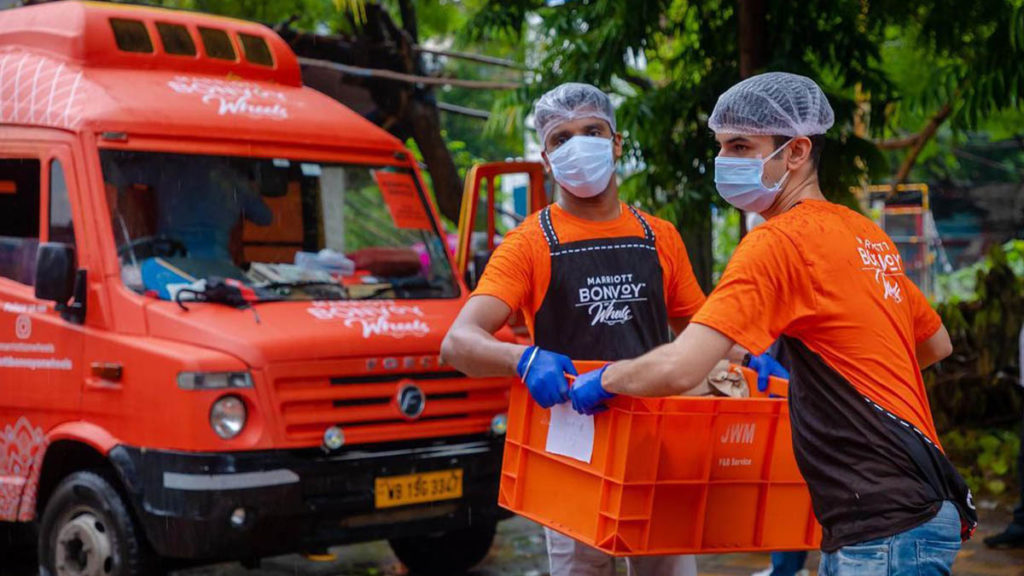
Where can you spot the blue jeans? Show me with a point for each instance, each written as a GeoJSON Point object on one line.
{"type": "Point", "coordinates": [927, 550]}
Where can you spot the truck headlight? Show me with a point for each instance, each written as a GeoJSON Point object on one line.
{"type": "Point", "coordinates": [227, 416]}
{"type": "Point", "coordinates": [499, 424]}
{"type": "Point", "coordinates": [213, 380]}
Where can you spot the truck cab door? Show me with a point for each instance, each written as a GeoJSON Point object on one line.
{"type": "Point", "coordinates": [40, 351]}
{"type": "Point", "coordinates": [482, 224]}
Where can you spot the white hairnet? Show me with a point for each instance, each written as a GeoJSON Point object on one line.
{"type": "Point", "coordinates": [568, 102]}
{"type": "Point", "coordinates": [776, 103]}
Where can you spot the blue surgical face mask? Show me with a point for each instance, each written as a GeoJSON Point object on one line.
{"type": "Point", "coordinates": [740, 181]}
{"type": "Point", "coordinates": [584, 165]}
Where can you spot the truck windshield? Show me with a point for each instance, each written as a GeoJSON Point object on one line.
{"type": "Point", "coordinates": [288, 229]}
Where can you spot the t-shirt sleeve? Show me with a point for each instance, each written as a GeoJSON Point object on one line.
{"type": "Point", "coordinates": [765, 289]}
{"type": "Point", "coordinates": [508, 275]}
{"type": "Point", "coordinates": [683, 294]}
{"type": "Point", "coordinates": [926, 320]}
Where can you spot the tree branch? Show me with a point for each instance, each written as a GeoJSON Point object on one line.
{"type": "Point", "coordinates": [898, 143]}
{"type": "Point", "coordinates": [922, 139]}
{"type": "Point", "coordinates": [471, 57]}
{"type": "Point", "coordinates": [463, 110]}
{"type": "Point", "coordinates": [638, 81]}
{"type": "Point", "coordinates": [391, 75]}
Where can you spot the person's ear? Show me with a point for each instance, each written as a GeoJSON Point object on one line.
{"type": "Point", "coordinates": [799, 153]}
{"type": "Point", "coordinates": [617, 146]}
{"type": "Point", "coordinates": [547, 163]}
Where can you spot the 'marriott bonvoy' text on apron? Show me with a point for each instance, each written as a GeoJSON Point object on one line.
{"type": "Point", "coordinates": [606, 297]}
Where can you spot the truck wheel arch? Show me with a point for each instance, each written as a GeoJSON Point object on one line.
{"type": "Point", "coordinates": [70, 447]}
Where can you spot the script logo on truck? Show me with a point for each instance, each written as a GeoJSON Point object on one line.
{"type": "Point", "coordinates": [375, 319]}
{"type": "Point", "coordinates": [235, 97]}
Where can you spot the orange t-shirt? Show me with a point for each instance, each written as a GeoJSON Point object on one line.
{"type": "Point", "coordinates": [831, 278]}
{"type": "Point", "coordinates": [519, 271]}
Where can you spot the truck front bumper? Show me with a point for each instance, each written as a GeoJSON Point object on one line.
{"type": "Point", "coordinates": [295, 501]}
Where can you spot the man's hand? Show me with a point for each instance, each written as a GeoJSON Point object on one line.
{"type": "Point", "coordinates": [766, 367]}
{"type": "Point", "coordinates": [588, 395]}
{"type": "Point", "coordinates": [544, 373]}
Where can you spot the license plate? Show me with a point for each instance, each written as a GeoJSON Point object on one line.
{"type": "Point", "coordinates": [392, 491]}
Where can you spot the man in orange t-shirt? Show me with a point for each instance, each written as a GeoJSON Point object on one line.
{"type": "Point", "coordinates": [830, 285]}
{"type": "Point", "coordinates": [595, 279]}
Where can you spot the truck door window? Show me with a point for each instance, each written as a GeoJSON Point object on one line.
{"type": "Point", "coordinates": [62, 229]}
{"type": "Point", "coordinates": [19, 218]}
{"type": "Point", "coordinates": [303, 230]}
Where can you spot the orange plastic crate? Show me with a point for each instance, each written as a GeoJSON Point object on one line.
{"type": "Point", "coordinates": [668, 476]}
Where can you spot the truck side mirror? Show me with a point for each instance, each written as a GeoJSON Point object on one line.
{"type": "Point", "coordinates": [58, 280]}
{"type": "Point", "coordinates": [55, 272]}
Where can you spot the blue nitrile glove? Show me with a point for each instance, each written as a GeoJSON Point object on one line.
{"type": "Point", "coordinates": [588, 395]}
{"type": "Point", "coordinates": [543, 373]}
{"type": "Point", "coordinates": [766, 367]}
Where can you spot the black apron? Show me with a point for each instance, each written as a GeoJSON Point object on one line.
{"type": "Point", "coordinates": [606, 300]}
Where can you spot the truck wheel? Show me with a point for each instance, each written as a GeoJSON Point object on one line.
{"type": "Point", "coordinates": [444, 554]}
{"type": "Point", "coordinates": [86, 530]}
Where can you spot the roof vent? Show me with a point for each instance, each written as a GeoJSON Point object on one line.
{"type": "Point", "coordinates": [131, 35]}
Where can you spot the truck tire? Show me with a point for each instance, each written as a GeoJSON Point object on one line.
{"type": "Point", "coordinates": [445, 554]}
{"type": "Point", "coordinates": [87, 530]}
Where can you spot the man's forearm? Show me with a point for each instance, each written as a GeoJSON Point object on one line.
{"type": "Point", "coordinates": [477, 353]}
{"type": "Point", "coordinates": [736, 354]}
{"type": "Point", "coordinates": [648, 375]}
{"type": "Point", "coordinates": [670, 369]}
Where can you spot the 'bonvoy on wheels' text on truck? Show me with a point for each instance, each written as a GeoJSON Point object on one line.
{"type": "Point", "coordinates": [221, 300]}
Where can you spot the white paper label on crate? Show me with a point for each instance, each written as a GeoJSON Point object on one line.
{"type": "Point", "coordinates": [570, 434]}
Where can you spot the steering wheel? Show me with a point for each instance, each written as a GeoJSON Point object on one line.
{"type": "Point", "coordinates": [157, 246]}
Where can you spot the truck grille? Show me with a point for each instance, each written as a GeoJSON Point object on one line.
{"type": "Point", "coordinates": [366, 407]}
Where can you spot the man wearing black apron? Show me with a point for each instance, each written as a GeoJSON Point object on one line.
{"type": "Point", "coordinates": [595, 280]}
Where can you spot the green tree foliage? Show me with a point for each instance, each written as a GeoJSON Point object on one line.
{"type": "Point", "coordinates": [667, 61]}
{"type": "Point", "coordinates": [888, 67]}
{"type": "Point", "coordinates": [309, 13]}
{"type": "Point", "coordinates": [955, 69]}
{"type": "Point", "coordinates": [977, 385]}
{"type": "Point", "coordinates": [973, 394]}
{"type": "Point", "coordinates": [966, 55]}
{"type": "Point", "coordinates": [987, 459]}
{"type": "Point", "coordinates": [891, 68]}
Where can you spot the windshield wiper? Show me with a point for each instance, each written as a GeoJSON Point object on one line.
{"type": "Point", "coordinates": [417, 283]}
